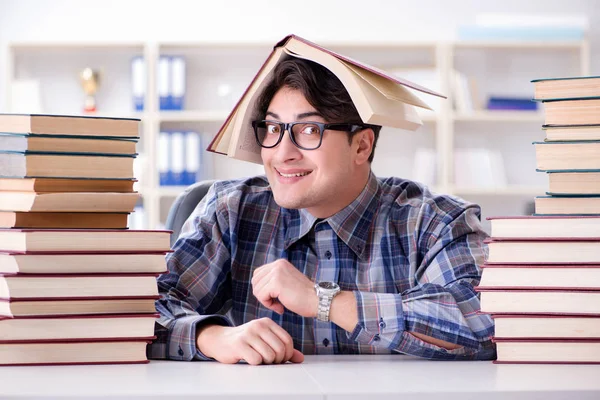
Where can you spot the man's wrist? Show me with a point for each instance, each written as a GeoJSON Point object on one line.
{"type": "Point", "coordinates": [204, 338]}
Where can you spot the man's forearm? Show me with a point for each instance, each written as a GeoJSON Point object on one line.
{"type": "Point", "coordinates": [344, 313]}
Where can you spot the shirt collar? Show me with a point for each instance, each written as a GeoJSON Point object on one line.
{"type": "Point", "coordinates": [352, 224]}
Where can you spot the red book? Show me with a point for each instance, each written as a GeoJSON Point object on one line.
{"type": "Point", "coordinates": [77, 327]}
{"type": "Point", "coordinates": [540, 276]}
{"type": "Point", "coordinates": [557, 250]}
{"type": "Point", "coordinates": [555, 301]}
{"type": "Point", "coordinates": [543, 327]}
{"type": "Point", "coordinates": [550, 351]}
{"type": "Point", "coordinates": [545, 226]}
{"type": "Point", "coordinates": [130, 351]}
{"type": "Point", "coordinates": [65, 306]}
{"type": "Point", "coordinates": [82, 263]}
{"type": "Point", "coordinates": [84, 240]}
{"type": "Point", "coordinates": [47, 287]}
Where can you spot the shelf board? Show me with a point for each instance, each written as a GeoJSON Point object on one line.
{"type": "Point", "coordinates": [193, 116]}
{"type": "Point", "coordinates": [518, 44]}
{"type": "Point", "coordinates": [500, 116]}
{"type": "Point", "coordinates": [75, 46]}
{"type": "Point", "coordinates": [510, 190]}
{"type": "Point", "coordinates": [170, 191]}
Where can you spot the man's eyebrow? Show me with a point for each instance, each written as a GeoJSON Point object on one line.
{"type": "Point", "coordinates": [309, 114]}
{"type": "Point", "coordinates": [299, 116]}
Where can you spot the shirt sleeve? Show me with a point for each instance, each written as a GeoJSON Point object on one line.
{"type": "Point", "coordinates": [197, 284]}
{"type": "Point", "coordinates": [442, 303]}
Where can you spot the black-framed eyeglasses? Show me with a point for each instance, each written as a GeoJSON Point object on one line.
{"type": "Point", "coordinates": [306, 135]}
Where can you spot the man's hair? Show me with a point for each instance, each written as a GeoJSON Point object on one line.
{"type": "Point", "coordinates": [321, 88]}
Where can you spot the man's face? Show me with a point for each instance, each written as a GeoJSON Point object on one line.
{"type": "Point", "coordinates": [322, 180]}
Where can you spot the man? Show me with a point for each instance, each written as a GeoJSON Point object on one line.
{"type": "Point", "coordinates": [322, 257]}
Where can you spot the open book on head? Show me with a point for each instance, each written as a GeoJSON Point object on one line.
{"type": "Point", "coordinates": [379, 97]}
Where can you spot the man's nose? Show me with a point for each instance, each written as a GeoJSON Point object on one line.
{"type": "Point", "coordinates": [286, 149]}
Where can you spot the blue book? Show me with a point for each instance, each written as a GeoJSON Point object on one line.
{"type": "Point", "coordinates": [164, 87]}
{"type": "Point", "coordinates": [193, 159]}
{"type": "Point", "coordinates": [177, 83]}
{"type": "Point", "coordinates": [163, 150]}
{"type": "Point", "coordinates": [138, 82]}
{"type": "Point", "coordinates": [511, 103]}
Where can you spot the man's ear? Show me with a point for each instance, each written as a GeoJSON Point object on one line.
{"type": "Point", "coordinates": [364, 140]}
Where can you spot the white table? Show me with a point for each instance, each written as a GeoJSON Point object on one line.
{"type": "Point", "coordinates": [319, 377]}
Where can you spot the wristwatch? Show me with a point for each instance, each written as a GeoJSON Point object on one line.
{"type": "Point", "coordinates": [326, 291]}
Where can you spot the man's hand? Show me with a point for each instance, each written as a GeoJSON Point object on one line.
{"type": "Point", "coordinates": [279, 284]}
{"type": "Point", "coordinates": [260, 341]}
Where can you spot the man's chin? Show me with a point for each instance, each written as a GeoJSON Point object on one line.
{"type": "Point", "coordinates": [290, 202]}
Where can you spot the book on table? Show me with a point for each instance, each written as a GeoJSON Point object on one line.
{"type": "Point", "coordinates": [540, 276]}
{"type": "Point", "coordinates": [554, 250]}
{"type": "Point", "coordinates": [64, 306]}
{"type": "Point", "coordinates": [70, 125]}
{"type": "Point", "coordinates": [65, 165]}
{"type": "Point", "coordinates": [571, 132]}
{"type": "Point", "coordinates": [69, 201]}
{"type": "Point", "coordinates": [84, 240]}
{"type": "Point", "coordinates": [569, 182]}
{"type": "Point", "coordinates": [380, 98]}
{"type": "Point", "coordinates": [108, 326]}
{"type": "Point", "coordinates": [539, 301]}
{"type": "Point", "coordinates": [61, 144]}
{"type": "Point", "coordinates": [566, 88]}
{"type": "Point", "coordinates": [572, 205]}
{"type": "Point", "coordinates": [56, 352]}
{"type": "Point", "coordinates": [521, 326]}
{"type": "Point", "coordinates": [545, 226]}
{"type": "Point", "coordinates": [82, 263]}
{"type": "Point", "coordinates": [547, 351]}
{"type": "Point", "coordinates": [574, 155]}
{"type": "Point", "coordinates": [59, 185]}
{"type": "Point", "coordinates": [572, 112]}
{"type": "Point", "coordinates": [63, 220]}
{"type": "Point", "coordinates": [50, 286]}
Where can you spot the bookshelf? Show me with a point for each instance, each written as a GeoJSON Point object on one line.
{"type": "Point", "coordinates": [217, 74]}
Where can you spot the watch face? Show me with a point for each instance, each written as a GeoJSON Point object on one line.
{"type": "Point", "coordinates": [328, 285]}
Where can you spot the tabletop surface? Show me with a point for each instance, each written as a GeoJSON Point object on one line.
{"type": "Point", "coordinates": [319, 377]}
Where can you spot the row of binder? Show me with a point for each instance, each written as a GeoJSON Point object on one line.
{"type": "Point", "coordinates": [179, 158]}
{"type": "Point", "coordinates": [170, 83]}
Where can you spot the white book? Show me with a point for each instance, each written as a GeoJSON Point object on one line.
{"type": "Point", "coordinates": [177, 157]}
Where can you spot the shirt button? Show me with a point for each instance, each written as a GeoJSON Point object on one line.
{"type": "Point", "coordinates": [325, 342]}
{"type": "Point", "coordinates": [376, 338]}
{"type": "Point", "coordinates": [381, 323]}
{"type": "Point", "coordinates": [328, 254]}
{"type": "Point", "coordinates": [180, 351]}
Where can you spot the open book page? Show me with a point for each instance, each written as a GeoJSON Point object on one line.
{"type": "Point", "coordinates": [243, 145]}
{"type": "Point", "coordinates": [389, 89]}
{"type": "Point", "coordinates": [372, 106]}
{"type": "Point", "coordinates": [220, 144]}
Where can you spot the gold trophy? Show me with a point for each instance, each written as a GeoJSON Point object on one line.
{"type": "Point", "coordinates": [90, 79]}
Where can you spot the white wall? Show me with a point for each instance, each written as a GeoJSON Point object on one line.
{"type": "Point", "coordinates": [260, 20]}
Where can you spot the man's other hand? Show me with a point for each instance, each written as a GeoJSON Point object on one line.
{"type": "Point", "coordinates": [279, 284]}
{"type": "Point", "coordinates": [260, 341]}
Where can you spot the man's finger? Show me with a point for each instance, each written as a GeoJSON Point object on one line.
{"type": "Point", "coordinates": [297, 357]}
{"type": "Point", "coordinates": [251, 356]}
{"type": "Point", "coordinates": [267, 354]}
{"type": "Point", "coordinates": [285, 338]}
{"type": "Point", "coordinates": [275, 343]}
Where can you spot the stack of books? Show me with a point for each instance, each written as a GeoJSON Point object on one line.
{"type": "Point", "coordinates": [541, 280]}
{"type": "Point", "coordinates": [76, 286]}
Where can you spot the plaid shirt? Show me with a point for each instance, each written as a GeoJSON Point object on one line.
{"type": "Point", "coordinates": [411, 258]}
